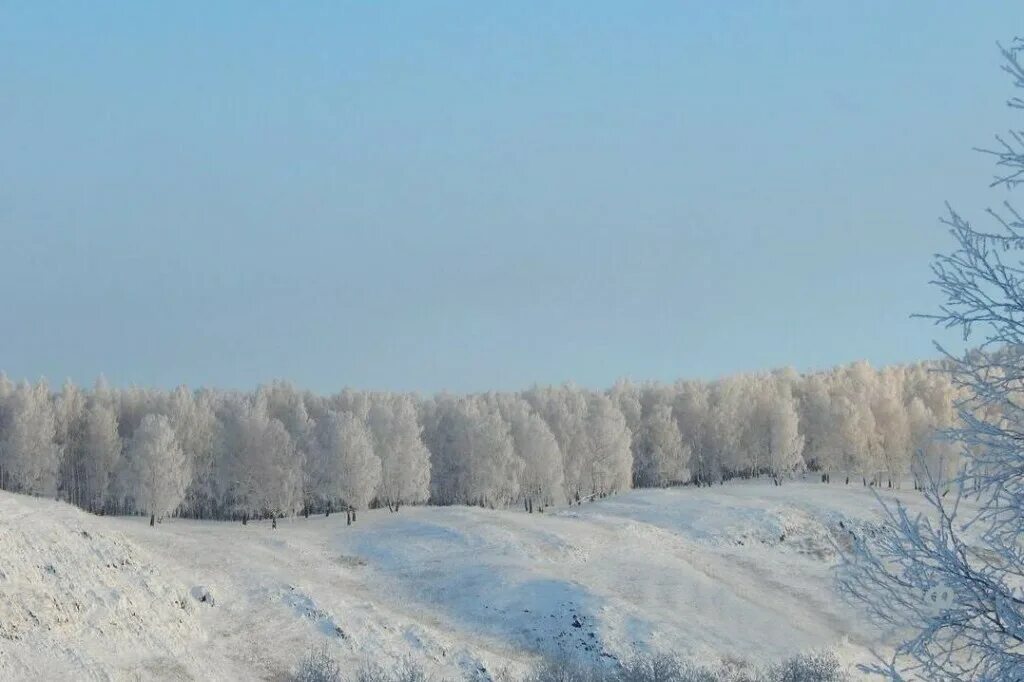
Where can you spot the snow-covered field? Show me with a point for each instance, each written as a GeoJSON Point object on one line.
{"type": "Point", "coordinates": [740, 570]}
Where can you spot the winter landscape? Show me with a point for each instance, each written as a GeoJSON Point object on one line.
{"type": "Point", "coordinates": [738, 571]}
{"type": "Point", "coordinates": [571, 324]}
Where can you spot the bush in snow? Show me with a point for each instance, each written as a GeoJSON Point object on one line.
{"type": "Point", "coordinates": [569, 670]}
{"type": "Point", "coordinates": [403, 672]}
{"type": "Point", "coordinates": [810, 667]}
{"type": "Point", "coordinates": [318, 666]}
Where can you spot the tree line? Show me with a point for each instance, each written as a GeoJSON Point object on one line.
{"type": "Point", "coordinates": [279, 450]}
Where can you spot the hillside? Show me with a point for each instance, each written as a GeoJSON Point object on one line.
{"type": "Point", "coordinates": [738, 570]}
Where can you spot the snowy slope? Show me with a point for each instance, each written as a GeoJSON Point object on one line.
{"type": "Point", "coordinates": [78, 599]}
{"type": "Point", "coordinates": [736, 570]}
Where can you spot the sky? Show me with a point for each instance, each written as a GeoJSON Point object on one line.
{"type": "Point", "coordinates": [469, 196]}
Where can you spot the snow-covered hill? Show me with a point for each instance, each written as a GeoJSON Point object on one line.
{"type": "Point", "coordinates": [79, 600]}
{"type": "Point", "coordinates": [738, 570]}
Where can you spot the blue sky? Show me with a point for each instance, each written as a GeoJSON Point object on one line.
{"type": "Point", "coordinates": [465, 195]}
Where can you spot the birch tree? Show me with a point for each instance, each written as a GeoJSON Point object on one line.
{"type": "Point", "coordinates": [158, 468]}
{"type": "Point", "coordinates": [953, 578]}
{"type": "Point", "coordinates": [404, 458]}
{"type": "Point", "coordinates": [263, 472]}
{"type": "Point", "coordinates": [97, 452]}
{"type": "Point", "coordinates": [540, 477]}
{"type": "Point", "coordinates": [660, 456]}
{"type": "Point", "coordinates": [564, 410]}
{"type": "Point", "coordinates": [28, 452]}
{"type": "Point", "coordinates": [608, 461]}
{"type": "Point", "coordinates": [345, 467]}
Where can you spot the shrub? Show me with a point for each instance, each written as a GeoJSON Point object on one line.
{"type": "Point", "coordinates": [407, 671]}
{"type": "Point", "coordinates": [811, 667]}
{"type": "Point", "coordinates": [318, 666]}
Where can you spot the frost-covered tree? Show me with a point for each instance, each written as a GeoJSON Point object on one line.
{"type": "Point", "coordinates": [398, 442]}
{"type": "Point", "coordinates": [324, 472]}
{"type": "Point", "coordinates": [785, 443]}
{"type": "Point", "coordinates": [931, 411]}
{"type": "Point", "coordinates": [564, 410]}
{"type": "Point", "coordinates": [660, 457]}
{"type": "Point", "coordinates": [287, 404]}
{"type": "Point", "coordinates": [855, 438]}
{"type": "Point", "coordinates": [494, 469]}
{"type": "Point", "coordinates": [815, 410]}
{"type": "Point", "coordinates": [936, 458]}
{"type": "Point", "coordinates": [354, 402]}
{"type": "Point", "coordinates": [68, 411]}
{"type": "Point", "coordinates": [608, 463]}
{"type": "Point", "coordinates": [540, 471]}
{"type": "Point", "coordinates": [262, 473]}
{"type": "Point", "coordinates": [158, 468]}
{"type": "Point", "coordinates": [437, 416]}
{"type": "Point", "coordinates": [28, 451]}
{"type": "Point", "coordinates": [344, 466]}
{"type": "Point", "coordinates": [592, 437]}
{"type": "Point", "coordinates": [954, 579]}
{"type": "Point", "coordinates": [852, 419]}
{"type": "Point", "coordinates": [724, 427]}
{"type": "Point", "coordinates": [627, 397]}
{"type": "Point", "coordinates": [198, 433]}
{"type": "Point", "coordinates": [692, 411]}
{"type": "Point", "coordinates": [540, 479]}
{"type": "Point", "coordinates": [96, 454]}
{"type": "Point", "coordinates": [473, 458]}
{"type": "Point", "coordinates": [892, 423]}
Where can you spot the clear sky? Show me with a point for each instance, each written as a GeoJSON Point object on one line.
{"type": "Point", "coordinates": [475, 195]}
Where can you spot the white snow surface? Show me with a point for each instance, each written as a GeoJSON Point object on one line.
{"type": "Point", "coordinates": [740, 570]}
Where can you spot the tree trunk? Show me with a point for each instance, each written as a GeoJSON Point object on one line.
{"type": "Point", "coordinates": [348, 517]}
{"type": "Point", "coordinates": [152, 519]}
{"type": "Point", "coordinates": [273, 521]}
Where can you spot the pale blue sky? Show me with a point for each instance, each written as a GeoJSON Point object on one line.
{"type": "Point", "coordinates": [467, 195]}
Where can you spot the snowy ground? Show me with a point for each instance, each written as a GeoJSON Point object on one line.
{"type": "Point", "coordinates": [737, 570]}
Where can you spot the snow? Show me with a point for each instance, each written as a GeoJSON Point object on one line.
{"type": "Point", "coordinates": [203, 595]}
{"type": "Point", "coordinates": [78, 599]}
{"type": "Point", "coordinates": [741, 570]}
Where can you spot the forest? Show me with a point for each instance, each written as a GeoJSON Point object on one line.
{"type": "Point", "coordinates": [279, 451]}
